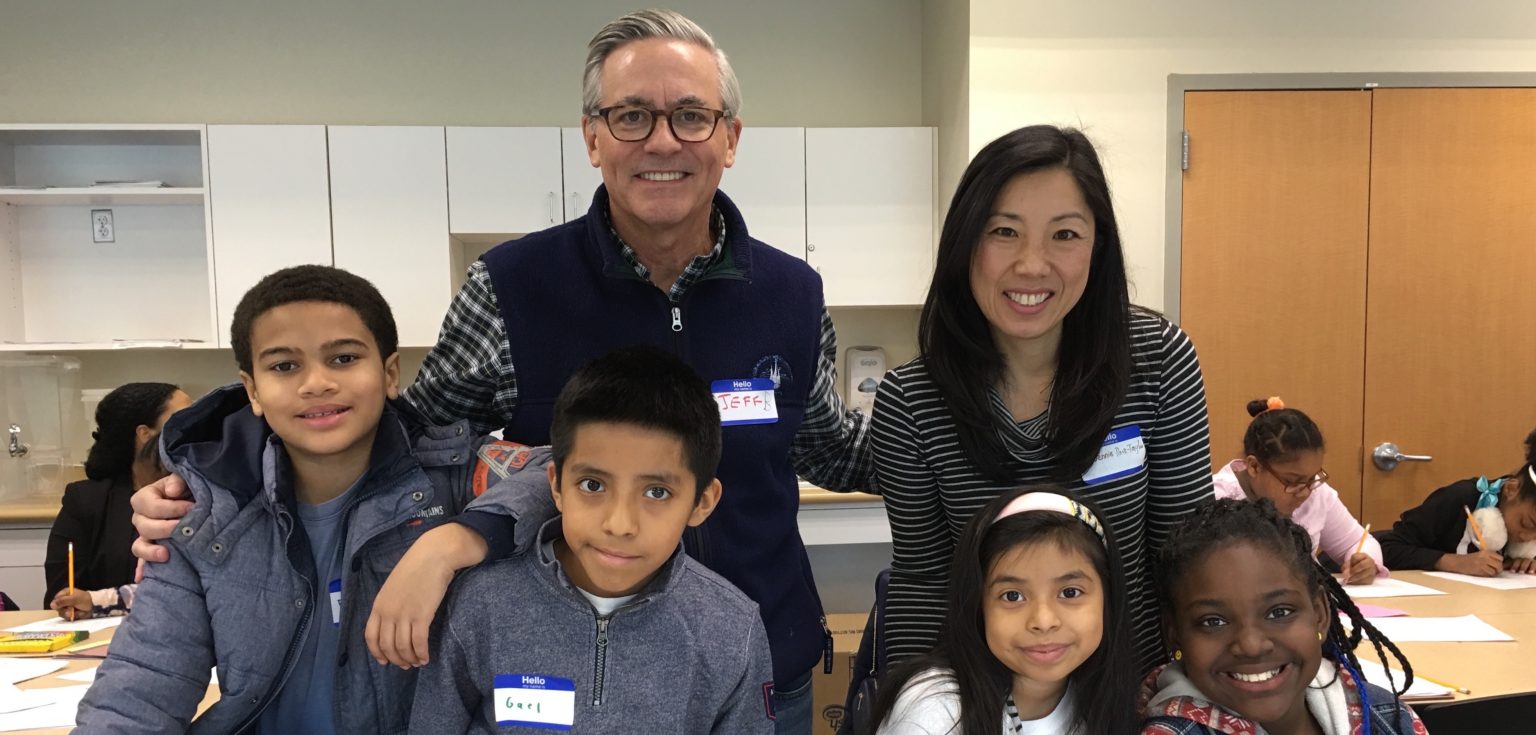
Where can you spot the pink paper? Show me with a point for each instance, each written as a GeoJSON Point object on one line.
{"type": "Point", "coordinates": [1377, 611]}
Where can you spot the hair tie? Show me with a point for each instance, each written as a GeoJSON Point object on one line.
{"type": "Point", "coordinates": [95, 436]}
{"type": "Point", "coordinates": [1530, 469]}
{"type": "Point", "coordinates": [1488, 492]}
{"type": "Point", "coordinates": [1055, 503]}
{"type": "Point", "coordinates": [1274, 404]}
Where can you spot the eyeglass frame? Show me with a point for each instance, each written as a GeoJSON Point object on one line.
{"type": "Point", "coordinates": [656, 114]}
{"type": "Point", "coordinates": [1312, 483]}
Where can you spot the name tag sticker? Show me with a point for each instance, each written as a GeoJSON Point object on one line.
{"type": "Point", "coordinates": [535, 700]}
{"type": "Point", "coordinates": [335, 588]}
{"type": "Point", "coordinates": [1123, 454]}
{"type": "Point", "coordinates": [745, 401]}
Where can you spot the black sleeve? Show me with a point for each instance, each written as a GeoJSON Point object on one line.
{"type": "Point", "coordinates": [71, 524]}
{"type": "Point", "coordinates": [1429, 531]}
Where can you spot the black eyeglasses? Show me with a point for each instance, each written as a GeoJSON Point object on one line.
{"type": "Point", "coordinates": [632, 123]}
{"type": "Point", "coordinates": [1297, 487]}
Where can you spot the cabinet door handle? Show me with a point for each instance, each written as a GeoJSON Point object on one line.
{"type": "Point", "coordinates": [553, 204]}
{"type": "Point", "coordinates": [575, 210]}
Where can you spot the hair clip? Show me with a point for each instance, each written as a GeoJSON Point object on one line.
{"type": "Point", "coordinates": [1274, 404]}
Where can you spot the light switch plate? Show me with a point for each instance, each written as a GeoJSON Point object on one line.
{"type": "Point", "coordinates": [102, 229]}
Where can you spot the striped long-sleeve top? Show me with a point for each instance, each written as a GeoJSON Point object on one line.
{"type": "Point", "coordinates": [932, 487]}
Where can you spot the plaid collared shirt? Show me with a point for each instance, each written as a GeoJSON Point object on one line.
{"type": "Point", "coordinates": [469, 375]}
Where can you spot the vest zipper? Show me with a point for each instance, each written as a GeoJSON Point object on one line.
{"type": "Point", "coordinates": [602, 662]}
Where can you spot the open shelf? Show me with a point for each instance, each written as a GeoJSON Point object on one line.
{"type": "Point", "coordinates": [100, 196]}
{"type": "Point", "coordinates": [114, 346]}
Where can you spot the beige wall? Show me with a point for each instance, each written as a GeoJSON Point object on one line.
{"type": "Point", "coordinates": [1103, 65]}
{"type": "Point", "coordinates": [946, 92]}
{"type": "Point", "coordinates": [455, 62]}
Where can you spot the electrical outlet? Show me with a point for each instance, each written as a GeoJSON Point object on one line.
{"type": "Point", "coordinates": [102, 229]}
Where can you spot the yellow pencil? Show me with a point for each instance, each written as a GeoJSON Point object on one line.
{"type": "Point", "coordinates": [1363, 536]}
{"type": "Point", "coordinates": [71, 577]}
{"type": "Point", "coordinates": [1481, 544]}
{"type": "Point", "coordinates": [1462, 690]}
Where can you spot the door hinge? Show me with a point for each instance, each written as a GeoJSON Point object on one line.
{"type": "Point", "coordinates": [1184, 152]}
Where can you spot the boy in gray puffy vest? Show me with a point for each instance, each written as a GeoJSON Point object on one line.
{"type": "Point", "coordinates": [606, 626]}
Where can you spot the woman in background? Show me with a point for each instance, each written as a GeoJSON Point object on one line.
{"type": "Point", "coordinates": [96, 515]}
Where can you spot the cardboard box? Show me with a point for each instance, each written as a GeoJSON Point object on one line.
{"type": "Point", "coordinates": [828, 691]}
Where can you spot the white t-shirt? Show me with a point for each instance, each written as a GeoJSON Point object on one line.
{"type": "Point", "coordinates": [930, 705]}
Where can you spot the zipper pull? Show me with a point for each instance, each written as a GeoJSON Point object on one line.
{"type": "Point", "coordinates": [826, 646]}
{"type": "Point", "coordinates": [677, 319]}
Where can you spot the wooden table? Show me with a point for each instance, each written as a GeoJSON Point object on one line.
{"type": "Point", "coordinates": [12, 619]}
{"type": "Point", "coordinates": [1488, 670]}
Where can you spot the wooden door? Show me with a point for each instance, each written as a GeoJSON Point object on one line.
{"type": "Point", "coordinates": [1273, 262]}
{"type": "Point", "coordinates": [1451, 323]}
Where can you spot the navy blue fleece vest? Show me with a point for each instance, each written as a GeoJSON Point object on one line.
{"type": "Point", "coordinates": [567, 296]}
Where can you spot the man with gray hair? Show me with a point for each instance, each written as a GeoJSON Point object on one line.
{"type": "Point", "coordinates": [664, 258]}
{"type": "Point", "coordinates": [661, 258]}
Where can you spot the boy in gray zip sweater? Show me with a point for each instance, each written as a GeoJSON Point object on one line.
{"type": "Point", "coordinates": [607, 626]}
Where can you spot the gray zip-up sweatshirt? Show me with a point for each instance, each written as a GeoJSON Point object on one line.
{"type": "Point", "coordinates": [687, 655]}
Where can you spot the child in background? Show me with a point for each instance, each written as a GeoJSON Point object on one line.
{"type": "Point", "coordinates": [608, 626]}
{"type": "Point", "coordinates": [1036, 637]}
{"type": "Point", "coordinates": [1284, 463]}
{"type": "Point", "coordinates": [95, 515]}
{"type": "Point", "coordinates": [1436, 535]}
{"type": "Point", "coordinates": [1257, 643]}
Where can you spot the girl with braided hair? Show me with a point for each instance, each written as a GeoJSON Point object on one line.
{"type": "Point", "coordinates": [1283, 461]}
{"type": "Point", "coordinates": [1257, 642]}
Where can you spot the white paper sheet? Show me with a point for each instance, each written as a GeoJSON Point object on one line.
{"type": "Point", "coordinates": [1505, 580]}
{"type": "Point", "coordinates": [18, 670]}
{"type": "Point", "coordinates": [93, 625]}
{"type": "Point", "coordinates": [1389, 587]}
{"type": "Point", "coordinates": [59, 710]}
{"type": "Point", "coordinates": [1464, 629]}
{"type": "Point", "coordinates": [85, 675]}
{"type": "Point", "coordinates": [1422, 688]}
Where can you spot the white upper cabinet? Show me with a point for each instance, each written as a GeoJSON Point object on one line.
{"type": "Point", "coordinates": [389, 214]}
{"type": "Point", "coordinates": [767, 183]}
{"type": "Point", "coordinates": [581, 177]}
{"type": "Point", "coordinates": [869, 213]}
{"type": "Point", "coordinates": [271, 188]}
{"type": "Point", "coordinates": [504, 181]}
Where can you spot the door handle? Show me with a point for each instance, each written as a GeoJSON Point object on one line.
{"type": "Point", "coordinates": [17, 449]}
{"type": "Point", "coordinates": [1386, 457]}
{"type": "Point", "coordinates": [554, 206]}
{"type": "Point", "coordinates": [575, 208]}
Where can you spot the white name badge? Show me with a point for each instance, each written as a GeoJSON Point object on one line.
{"type": "Point", "coordinates": [746, 401]}
{"type": "Point", "coordinates": [535, 700]}
{"type": "Point", "coordinates": [1122, 455]}
{"type": "Point", "coordinates": [335, 589]}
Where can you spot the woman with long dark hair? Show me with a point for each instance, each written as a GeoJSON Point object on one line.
{"type": "Point", "coordinates": [1034, 367]}
{"type": "Point", "coordinates": [95, 514]}
{"type": "Point", "coordinates": [1036, 635]}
